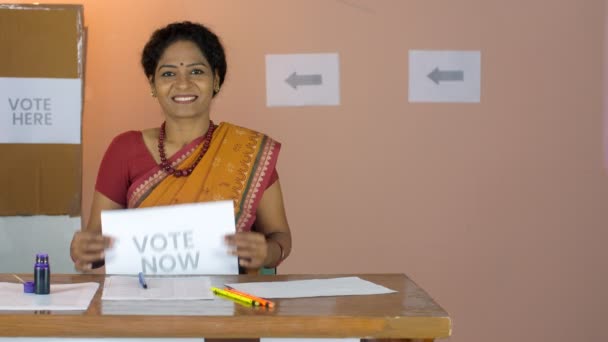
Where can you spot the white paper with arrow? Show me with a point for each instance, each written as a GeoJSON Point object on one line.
{"type": "Point", "coordinates": [302, 80]}
{"type": "Point", "coordinates": [444, 76]}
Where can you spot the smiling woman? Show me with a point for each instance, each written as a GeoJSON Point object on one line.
{"type": "Point", "coordinates": [189, 158]}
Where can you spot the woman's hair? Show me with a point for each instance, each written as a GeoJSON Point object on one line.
{"type": "Point", "coordinates": [207, 42]}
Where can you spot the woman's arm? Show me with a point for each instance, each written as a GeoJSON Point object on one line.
{"type": "Point", "coordinates": [271, 221]}
{"type": "Point", "coordinates": [271, 242]}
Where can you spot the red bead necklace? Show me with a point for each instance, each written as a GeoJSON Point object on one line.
{"type": "Point", "coordinates": [164, 163]}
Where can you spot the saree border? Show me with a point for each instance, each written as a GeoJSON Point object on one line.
{"type": "Point", "coordinates": [257, 181]}
{"type": "Point", "coordinates": [155, 177]}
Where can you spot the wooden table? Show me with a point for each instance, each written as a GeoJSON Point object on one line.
{"type": "Point", "coordinates": [408, 314]}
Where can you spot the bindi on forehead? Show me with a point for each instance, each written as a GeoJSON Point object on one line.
{"type": "Point", "coordinates": [181, 63]}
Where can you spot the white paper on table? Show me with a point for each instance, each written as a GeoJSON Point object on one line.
{"type": "Point", "coordinates": [176, 239]}
{"type": "Point", "coordinates": [346, 286]}
{"type": "Point", "coordinates": [175, 288]}
{"type": "Point", "coordinates": [62, 297]}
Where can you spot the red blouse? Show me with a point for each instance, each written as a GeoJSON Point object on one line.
{"type": "Point", "coordinates": [126, 159]}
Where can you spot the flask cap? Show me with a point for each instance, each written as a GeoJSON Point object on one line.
{"type": "Point", "coordinates": [28, 287]}
{"type": "Point", "coordinates": [42, 258]}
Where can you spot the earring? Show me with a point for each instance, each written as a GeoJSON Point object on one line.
{"type": "Point", "coordinates": [216, 89]}
{"type": "Point", "coordinates": [152, 93]}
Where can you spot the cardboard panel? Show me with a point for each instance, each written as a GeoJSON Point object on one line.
{"type": "Point", "coordinates": [38, 178]}
{"type": "Point", "coordinates": [42, 42]}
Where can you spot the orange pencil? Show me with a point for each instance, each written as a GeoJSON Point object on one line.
{"type": "Point", "coordinates": [262, 301]}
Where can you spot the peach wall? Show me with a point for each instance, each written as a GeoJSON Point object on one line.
{"type": "Point", "coordinates": [497, 209]}
{"type": "Point", "coordinates": [605, 91]}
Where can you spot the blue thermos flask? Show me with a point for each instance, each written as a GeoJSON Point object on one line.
{"type": "Point", "coordinates": [42, 274]}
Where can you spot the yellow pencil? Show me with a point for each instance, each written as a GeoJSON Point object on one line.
{"type": "Point", "coordinates": [233, 296]}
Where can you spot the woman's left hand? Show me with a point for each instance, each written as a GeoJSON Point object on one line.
{"type": "Point", "coordinates": [250, 247]}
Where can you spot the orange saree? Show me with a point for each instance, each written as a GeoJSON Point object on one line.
{"type": "Point", "coordinates": [237, 166]}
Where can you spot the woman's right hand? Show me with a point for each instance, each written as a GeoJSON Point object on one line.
{"type": "Point", "coordinates": [86, 248]}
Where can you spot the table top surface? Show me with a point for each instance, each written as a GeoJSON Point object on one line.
{"type": "Point", "coordinates": [408, 313]}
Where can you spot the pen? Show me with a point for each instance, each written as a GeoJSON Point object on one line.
{"type": "Point", "coordinates": [261, 301]}
{"type": "Point", "coordinates": [142, 280]}
{"type": "Point", "coordinates": [233, 296]}
{"type": "Point", "coordinates": [18, 278]}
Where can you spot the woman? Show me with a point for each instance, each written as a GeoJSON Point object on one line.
{"type": "Point", "coordinates": [190, 158]}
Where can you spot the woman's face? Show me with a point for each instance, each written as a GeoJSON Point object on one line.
{"type": "Point", "coordinates": [183, 81]}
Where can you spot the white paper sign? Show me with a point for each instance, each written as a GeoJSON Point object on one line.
{"type": "Point", "coordinates": [40, 110]}
{"type": "Point", "coordinates": [445, 76]}
{"type": "Point", "coordinates": [178, 239]}
{"type": "Point", "coordinates": [303, 80]}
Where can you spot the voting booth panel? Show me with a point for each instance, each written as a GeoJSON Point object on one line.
{"type": "Point", "coordinates": [41, 73]}
{"type": "Point", "coordinates": [41, 92]}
